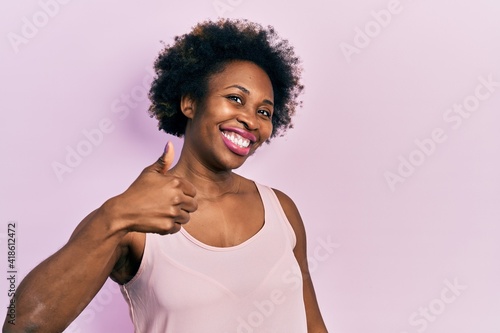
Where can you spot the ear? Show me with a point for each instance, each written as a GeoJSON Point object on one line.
{"type": "Point", "coordinates": [188, 106]}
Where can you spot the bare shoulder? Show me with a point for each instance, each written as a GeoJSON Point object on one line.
{"type": "Point", "coordinates": [286, 202]}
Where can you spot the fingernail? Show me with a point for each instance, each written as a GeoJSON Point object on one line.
{"type": "Point", "coordinates": [166, 148]}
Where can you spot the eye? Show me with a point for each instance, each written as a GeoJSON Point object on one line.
{"type": "Point", "coordinates": [235, 98]}
{"type": "Point", "coordinates": [265, 113]}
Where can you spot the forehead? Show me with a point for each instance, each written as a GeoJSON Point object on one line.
{"type": "Point", "coordinates": [243, 73]}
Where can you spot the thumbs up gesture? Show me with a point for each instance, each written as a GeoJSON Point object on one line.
{"type": "Point", "coordinates": [156, 202]}
{"type": "Point", "coordinates": [163, 164]}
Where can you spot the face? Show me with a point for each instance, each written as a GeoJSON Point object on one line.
{"type": "Point", "coordinates": [235, 117]}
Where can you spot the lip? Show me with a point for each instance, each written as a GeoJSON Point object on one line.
{"type": "Point", "coordinates": [240, 131]}
{"type": "Point", "coordinates": [242, 151]}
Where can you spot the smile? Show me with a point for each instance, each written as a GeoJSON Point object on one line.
{"type": "Point", "coordinates": [236, 139]}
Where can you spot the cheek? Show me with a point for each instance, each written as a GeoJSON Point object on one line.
{"type": "Point", "coordinates": [217, 111]}
{"type": "Point", "coordinates": [267, 130]}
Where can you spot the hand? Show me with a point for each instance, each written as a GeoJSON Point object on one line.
{"type": "Point", "coordinates": [155, 202]}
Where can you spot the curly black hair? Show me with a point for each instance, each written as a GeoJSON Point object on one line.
{"type": "Point", "coordinates": [185, 67]}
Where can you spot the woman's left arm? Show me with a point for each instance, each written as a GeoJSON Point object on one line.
{"type": "Point", "coordinates": [315, 323]}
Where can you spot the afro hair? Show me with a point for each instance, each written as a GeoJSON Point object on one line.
{"type": "Point", "coordinates": [185, 67]}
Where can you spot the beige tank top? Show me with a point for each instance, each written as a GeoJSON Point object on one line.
{"type": "Point", "coordinates": [185, 286]}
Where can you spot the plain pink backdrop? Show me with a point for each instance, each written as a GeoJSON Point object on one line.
{"type": "Point", "coordinates": [379, 75]}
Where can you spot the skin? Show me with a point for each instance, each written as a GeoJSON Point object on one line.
{"type": "Point", "coordinates": [223, 209]}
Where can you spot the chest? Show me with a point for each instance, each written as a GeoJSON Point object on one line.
{"type": "Point", "coordinates": [227, 221]}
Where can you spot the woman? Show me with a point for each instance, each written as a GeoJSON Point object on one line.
{"type": "Point", "coordinates": [240, 264]}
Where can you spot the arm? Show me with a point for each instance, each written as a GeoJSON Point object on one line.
{"type": "Point", "coordinates": [315, 323]}
{"type": "Point", "coordinates": [57, 290]}
{"type": "Point", "coordinates": [53, 294]}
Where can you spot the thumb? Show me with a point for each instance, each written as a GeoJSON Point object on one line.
{"type": "Point", "coordinates": [166, 159]}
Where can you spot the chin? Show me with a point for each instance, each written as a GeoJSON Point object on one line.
{"type": "Point", "coordinates": [233, 163]}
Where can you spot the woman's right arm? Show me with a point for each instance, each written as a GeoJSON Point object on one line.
{"type": "Point", "coordinates": [54, 293]}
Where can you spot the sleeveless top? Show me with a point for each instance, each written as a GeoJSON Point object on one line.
{"type": "Point", "coordinates": [186, 286]}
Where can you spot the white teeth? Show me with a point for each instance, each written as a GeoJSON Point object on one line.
{"type": "Point", "coordinates": [237, 139]}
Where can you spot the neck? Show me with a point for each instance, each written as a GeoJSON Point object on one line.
{"type": "Point", "coordinates": [209, 183]}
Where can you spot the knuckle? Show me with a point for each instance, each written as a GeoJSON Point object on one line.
{"type": "Point", "coordinates": [176, 199]}
{"type": "Point", "coordinates": [173, 211]}
{"type": "Point", "coordinates": [160, 161]}
{"type": "Point", "coordinates": [176, 182]}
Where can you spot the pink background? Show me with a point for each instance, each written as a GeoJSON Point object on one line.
{"type": "Point", "coordinates": [394, 251]}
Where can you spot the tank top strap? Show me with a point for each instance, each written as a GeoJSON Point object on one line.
{"type": "Point", "coordinates": [274, 211]}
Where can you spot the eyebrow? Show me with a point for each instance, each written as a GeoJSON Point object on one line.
{"type": "Point", "coordinates": [247, 92]}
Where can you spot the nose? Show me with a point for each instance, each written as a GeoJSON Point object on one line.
{"type": "Point", "coordinates": [248, 118]}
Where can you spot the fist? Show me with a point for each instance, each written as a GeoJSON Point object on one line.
{"type": "Point", "coordinates": [156, 202]}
